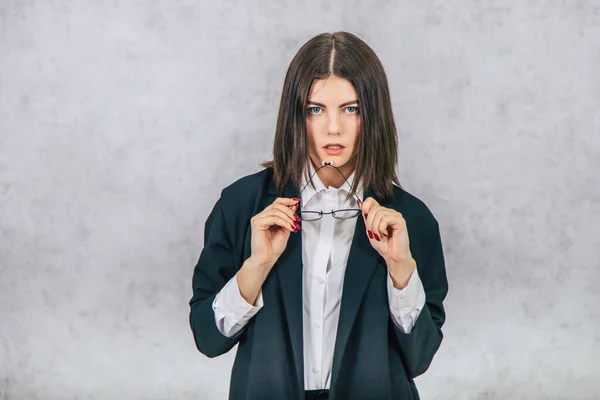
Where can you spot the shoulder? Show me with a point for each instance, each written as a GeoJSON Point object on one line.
{"type": "Point", "coordinates": [414, 210]}
{"type": "Point", "coordinates": [247, 188]}
{"type": "Point", "coordinates": [237, 204]}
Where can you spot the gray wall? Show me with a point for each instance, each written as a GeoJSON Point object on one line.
{"type": "Point", "coordinates": [120, 122]}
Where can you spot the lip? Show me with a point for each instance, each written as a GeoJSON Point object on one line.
{"type": "Point", "coordinates": [333, 152]}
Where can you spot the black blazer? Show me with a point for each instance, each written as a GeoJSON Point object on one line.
{"type": "Point", "coordinates": [372, 358]}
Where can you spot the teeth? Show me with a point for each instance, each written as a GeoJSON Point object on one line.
{"type": "Point", "coordinates": [334, 147]}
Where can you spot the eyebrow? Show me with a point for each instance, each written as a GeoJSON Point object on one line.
{"type": "Point", "coordinates": [341, 105]}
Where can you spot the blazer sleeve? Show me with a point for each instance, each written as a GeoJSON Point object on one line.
{"type": "Point", "coordinates": [214, 269]}
{"type": "Point", "coordinates": [418, 347]}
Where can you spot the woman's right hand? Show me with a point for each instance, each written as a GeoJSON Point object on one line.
{"type": "Point", "coordinates": [271, 230]}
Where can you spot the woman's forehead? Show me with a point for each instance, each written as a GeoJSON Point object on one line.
{"type": "Point", "coordinates": [332, 89]}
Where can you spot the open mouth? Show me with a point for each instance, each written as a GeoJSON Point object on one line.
{"type": "Point", "coordinates": [333, 149]}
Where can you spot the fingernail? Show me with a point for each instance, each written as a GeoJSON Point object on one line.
{"type": "Point", "coordinates": [370, 234]}
{"type": "Point", "coordinates": [296, 217]}
{"type": "Point", "coordinates": [366, 215]}
{"type": "Point", "coordinates": [297, 225]}
{"type": "Point", "coordinates": [358, 202]}
{"type": "Point", "coordinates": [296, 199]}
{"type": "Point", "coordinates": [377, 237]}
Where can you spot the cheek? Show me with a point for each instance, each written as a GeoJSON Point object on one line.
{"type": "Point", "coordinates": [352, 123]}
{"type": "Point", "coordinates": [310, 134]}
{"type": "Point", "coordinates": [316, 126]}
{"type": "Point", "coordinates": [352, 127]}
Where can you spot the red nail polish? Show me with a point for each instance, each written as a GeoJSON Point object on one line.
{"type": "Point", "coordinates": [358, 202]}
{"type": "Point", "coordinates": [296, 199]}
{"type": "Point", "coordinates": [296, 217]}
{"type": "Point", "coordinates": [297, 225]}
{"type": "Point", "coordinates": [377, 237]}
{"type": "Point", "coordinates": [366, 215]}
{"type": "Point", "coordinates": [370, 234]}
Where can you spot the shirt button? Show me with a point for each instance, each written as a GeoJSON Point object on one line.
{"type": "Point", "coordinates": [317, 325]}
{"type": "Point", "coordinates": [320, 280]}
{"type": "Point", "coordinates": [315, 370]}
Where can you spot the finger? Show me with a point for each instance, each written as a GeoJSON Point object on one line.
{"type": "Point", "coordinates": [287, 214]}
{"type": "Point", "coordinates": [365, 214]}
{"type": "Point", "coordinates": [287, 201]}
{"type": "Point", "coordinates": [367, 205]}
{"type": "Point", "coordinates": [267, 221]}
{"type": "Point", "coordinates": [369, 222]}
{"type": "Point", "coordinates": [383, 225]}
{"type": "Point", "coordinates": [391, 220]}
{"type": "Point", "coordinates": [290, 212]}
{"type": "Point", "coordinates": [281, 213]}
{"type": "Point", "coordinates": [285, 204]}
{"type": "Point", "coordinates": [376, 216]}
{"type": "Point", "coordinates": [401, 223]}
{"type": "Point", "coordinates": [370, 206]}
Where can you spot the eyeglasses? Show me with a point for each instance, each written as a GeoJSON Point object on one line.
{"type": "Point", "coordinates": [346, 213]}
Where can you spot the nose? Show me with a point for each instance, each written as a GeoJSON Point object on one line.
{"type": "Point", "coordinates": [333, 127]}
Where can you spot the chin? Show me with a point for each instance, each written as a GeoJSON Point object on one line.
{"type": "Point", "coordinates": [339, 160]}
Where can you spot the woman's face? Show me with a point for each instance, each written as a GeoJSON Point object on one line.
{"type": "Point", "coordinates": [333, 118]}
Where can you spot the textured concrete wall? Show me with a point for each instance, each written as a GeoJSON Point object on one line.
{"type": "Point", "coordinates": [120, 122]}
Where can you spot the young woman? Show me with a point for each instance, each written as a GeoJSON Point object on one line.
{"type": "Point", "coordinates": [307, 265]}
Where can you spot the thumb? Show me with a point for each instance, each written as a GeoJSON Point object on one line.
{"type": "Point", "coordinates": [367, 205]}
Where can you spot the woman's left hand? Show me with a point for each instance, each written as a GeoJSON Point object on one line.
{"type": "Point", "coordinates": [388, 235]}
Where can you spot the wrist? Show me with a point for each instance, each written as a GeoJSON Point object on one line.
{"type": "Point", "coordinates": [407, 262]}
{"type": "Point", "coordinates": [256, 266]}
{"type": "Point", "coordinates": [250, 279]}
{"type": "Point", "coordinates": [401, 271]}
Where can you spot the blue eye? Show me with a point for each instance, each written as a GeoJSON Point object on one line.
{"type": "Point", "coordinates": [318, 110]}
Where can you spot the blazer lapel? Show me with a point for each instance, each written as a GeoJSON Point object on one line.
{"type": "Point", "coordinates": [289, 271]}
{"type": "Point", "coordinates": [362, 262]}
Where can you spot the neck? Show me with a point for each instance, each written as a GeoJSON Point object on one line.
{"type": "Point", "coordinates": [331, 177]}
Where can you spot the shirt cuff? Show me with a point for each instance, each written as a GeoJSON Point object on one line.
{"type": "Point", "coordinates": [232, 312]}
{"type": "Point", "coordinates": [406, 304]}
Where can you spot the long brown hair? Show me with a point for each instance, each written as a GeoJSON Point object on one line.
{"type": "Point", "coordinates": [345, 55]}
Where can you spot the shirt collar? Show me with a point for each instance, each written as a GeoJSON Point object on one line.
{"type": "Point", "coordinates": [309, 192]}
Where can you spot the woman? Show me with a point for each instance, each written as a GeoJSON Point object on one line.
{"type": "Point", "coordinates": [307, 264]}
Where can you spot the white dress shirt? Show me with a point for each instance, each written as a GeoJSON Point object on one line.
{"type": "Point", "coordinates": [326, 245]}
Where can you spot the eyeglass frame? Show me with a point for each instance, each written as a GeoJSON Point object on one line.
{"type": "Point", "coordinates": [332, 212]}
